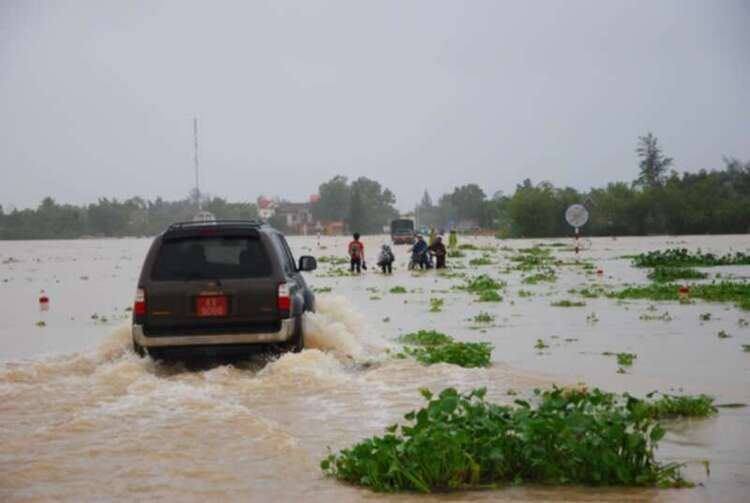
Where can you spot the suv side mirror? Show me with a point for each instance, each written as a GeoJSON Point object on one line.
{"type": "Point", "coordinates": [307, 263]}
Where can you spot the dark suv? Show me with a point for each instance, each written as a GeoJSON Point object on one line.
{"type": "Point", "coordinates": [220, 287]}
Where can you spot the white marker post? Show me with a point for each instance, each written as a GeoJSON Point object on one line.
{"type": "Point", "coordinates": [577, 215]}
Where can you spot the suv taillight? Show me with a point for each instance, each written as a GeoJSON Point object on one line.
{"type": "Point", "coordinates": [284, 300]}
{"type": "Point", "coordinates": [139, 305]}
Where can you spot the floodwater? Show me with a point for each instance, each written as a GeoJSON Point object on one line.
{"type": "Point", "coordinates": [82, 418]}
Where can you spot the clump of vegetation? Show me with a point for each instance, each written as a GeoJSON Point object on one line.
{"type": "Point", "coordinates": [483, 260]}
{"type": "Point", "coordinates": [725, 291]}
{"type": "Point", "coordinates": [624, 359]}
{"type": "Point", "coordinates": [455, 254]}
{"type": "Point", "coordinates": [467, 246]}
{"type": "Point", "coordinates": [544, 274]}
{"type": "Point", "coordinates": [483, 282]}
{"type": "Point", "coordinates": [705, 316]}
{"type": "Point", "coordinates": [742, 322]}
{"type": "Point", "coordinates": [665, 316]}
{"type": "Point", "coordinates": [540, 344]}
{"type": "Point", "coordinates": [567, 303]}
{"type": "Point", "coordinates": [333, 260]}
{"type": "Point", "coordinates": [681, 257]}
{"type": "Point", "coordinates": [723, 334]}
{"type": "Point", "coordinates": [425, 338]}
{"type": "Point", "coordinates": [592, 318]}
{"type": "Point", "coordinates": [669, 274]}
{"type": "Point", "coordinates": [398, 289]}
{"type": "Point", "coordinates": [436, 304]}
{"type": "Point", "coordinates": [323, 289]}
{"type": "Point", "coordinates": [463, 354]}
{"type": "Point", "coordinates": [461, 441]}
{"type": "Point", "coordinates": [41, 323]}
{"type": "Point", "coordinates": [746, 348]}
{"type": "Point", "coordinates": [670, 406]}
{"type": "Point", "coordinates": [484, 317]}
{"type": "Point", "coordinates": [588, 292]}
{"type": "Point", "coordinates": [524, 293]}
{"type": "Point", "coordinates": [490, 296]}
{"type": "Point", "coordinates": [436, 347]}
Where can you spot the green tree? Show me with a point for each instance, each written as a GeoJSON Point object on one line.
{"type": "Point", "coordinates": [335, 197]}
{"type": "Point", "coordinates": [653, 164]}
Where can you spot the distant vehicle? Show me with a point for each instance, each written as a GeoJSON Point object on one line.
{"type": "Point", "coordinates": [220, 287]}
{"type": "Point", "coordinates": [402, 231]}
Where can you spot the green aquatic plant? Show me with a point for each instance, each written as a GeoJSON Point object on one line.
{"type": "Point", "coordinates": [397, 289]}
{"type": "Point", "coordinates": [41, 323]}
{"type": "Point", "coordinates": [481, 283]}
{"type": "Point", "coordinates": [323, 289]}
{"type": "Point", "coordinates": [681, 257]}
{"type": "Point", "coordinates": [436, 304]}
{"type": "Point", "coordinates": [455, 254]}
{"type": "Point", "coordinates": [669, 274]}
{"type": "Point", "coordinates": [525, 293]}
{"type": "Point", "coordinates": [665, 316]}
{"type": "Point", "coordinates": [333, 260]}
{"type": "Point", "coordinates": [671, 406]}
{"type": "Point", "coordinates": [592, 318]}
{"type": "Point", "coordinates": [425, 338]}
{"type": "Point", "coordinates": [746, 348]}
{"type": "Point", "coordinates": [483, 260]}
{"type": "Point", "coordinates": [463, 354]}
{"type": "Point", "coordinates": [545, 274]}
{"type": "Point", "coordinates": [567, 303]}
{"type": "Point", "coordinates": [540, 344]}
{"type": "Point", "coordinates": [626, 359]}
{"type": "Point", "coordinates": [705, 316]}
{"type": "Point", "coordinates": [467, 246]}
{"type": "Point", "coordinates": [742, 322]}
{"type": "Point", "coordinates": [726, 291]}
{"type": "Point", "coordinates": [723, 334]}
{"type": "Point", "coordinates": [489, 296]}
{"type": "Point", "coordinates": [484, 317]}
{"type": "Point", "coordinates": [461, 441]}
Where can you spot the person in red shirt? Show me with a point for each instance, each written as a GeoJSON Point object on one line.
{"type": "Point", "coordinates": [357, 254]}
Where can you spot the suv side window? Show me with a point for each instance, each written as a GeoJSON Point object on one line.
{"type": "Point", "coordinates": [289, 265]}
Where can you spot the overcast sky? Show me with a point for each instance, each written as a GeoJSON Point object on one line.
{"type": "Point", "coordinates": [97, 97]}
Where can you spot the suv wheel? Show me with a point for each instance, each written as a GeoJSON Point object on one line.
{"type": "Point", "coordinates": [297, 342]}
{"type": "Point", "coordinates": [138, 349]}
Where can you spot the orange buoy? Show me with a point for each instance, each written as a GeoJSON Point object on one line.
{"type": "Point", "coordinates": [684, 292]}
{"type": "Point", "coordinates": [43, 300]}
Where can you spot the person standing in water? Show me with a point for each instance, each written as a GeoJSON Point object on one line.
{"type": "Point", "coordinates": [356, 254]}
{"type": "Point", "coordinates": [438, 249]}
{"type": "Point", "coordinates": [419, 254]}
{"type": "Point", "coordinates": [385, 259]}
{"type": "Point", "coordinates": [453, 240]}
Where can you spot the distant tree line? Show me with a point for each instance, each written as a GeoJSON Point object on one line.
{"type": "Point", "coordinates": [657, 202]}
{"type": "Point", "coordinates": [112, 218]}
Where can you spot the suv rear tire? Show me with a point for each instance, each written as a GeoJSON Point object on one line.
{"type": "Point", "coordinates": [138, 349]}
{"type": "Point", "coordinates": [297, 343]}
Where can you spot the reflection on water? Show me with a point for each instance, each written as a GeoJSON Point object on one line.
{"type": "Point", "coordinates": [89, 420]}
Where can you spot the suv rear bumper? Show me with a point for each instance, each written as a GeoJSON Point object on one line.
{"type": "Point", "coordinates": [285, 333]}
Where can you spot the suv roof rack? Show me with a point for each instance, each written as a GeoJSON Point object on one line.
{"type": "Point", "coordinates": [209, 223]}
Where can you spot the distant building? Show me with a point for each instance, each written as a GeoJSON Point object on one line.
{"type": "Point", "coordinates": [296, 217]}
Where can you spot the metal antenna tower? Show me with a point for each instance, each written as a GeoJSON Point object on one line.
{"type": "Point", "coordinates": [195, 160]}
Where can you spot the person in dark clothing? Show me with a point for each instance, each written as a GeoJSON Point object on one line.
{"type": "Point", "coordinates": [438, 250]}
{"type": "Point", "coordinates": [419, 254]}
{"type": "Point", "coordinates": [356, 254]}
{"type": "Point", "coordinates": [385, 259]}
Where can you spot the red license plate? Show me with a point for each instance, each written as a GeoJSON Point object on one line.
{"type": "Point", "coordinates": [211, 305]}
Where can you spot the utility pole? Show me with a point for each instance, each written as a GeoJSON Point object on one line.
{"type": "Point", "coordinates": [195, 160]}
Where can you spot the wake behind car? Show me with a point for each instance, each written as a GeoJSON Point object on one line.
{"type": "Point", "coordinates": [220, 287]}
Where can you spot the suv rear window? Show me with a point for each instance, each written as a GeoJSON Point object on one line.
{"type": "Point", "coordinates": [211, 258]}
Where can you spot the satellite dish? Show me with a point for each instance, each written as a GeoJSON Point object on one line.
{"type": "Point", "coordinates": [577, 215]}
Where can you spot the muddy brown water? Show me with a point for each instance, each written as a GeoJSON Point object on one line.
{"type": "Point", "coordinates": [82, 418]}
